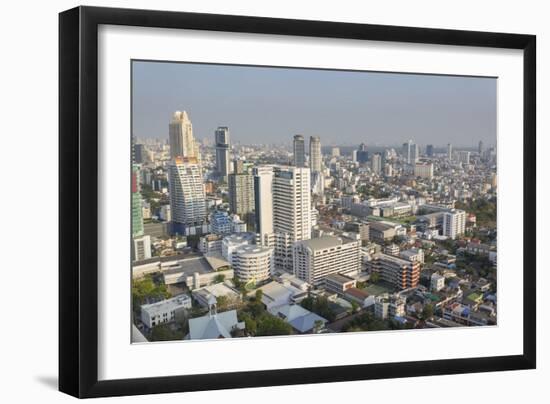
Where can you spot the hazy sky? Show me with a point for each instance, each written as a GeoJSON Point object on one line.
{"type": "Point", "coordinates": [270, 105]}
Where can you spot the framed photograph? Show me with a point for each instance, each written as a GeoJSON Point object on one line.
{"type": "Point", "coordinates": [251, 201]}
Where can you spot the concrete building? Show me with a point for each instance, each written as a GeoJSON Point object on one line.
{"type": "Point", "coordinates": [430, 150]}
{"type": "Point", "coordinates": [362, 154]}
{"type": "Point", "coordinates": [437, 282]}
{"type": "Point", "coordinates": [299, 150]}
{"type": "Point", "coordinates": [164, 311]}
{"type": "Point", "coordinates": [241, 195]}
{"type": "Point", "coordinates": [187, 195]}
{"type": "Point", "coordinates": [252, 263]}
{"type": "Point", "coordinates": [380, 231]}
{"type": "Point", "coordinates": [291, 213]}
{"type": "Point", "coordinates": [137, 211]}
{"type": "Point", "coordinates": [221, 223]}
{"type": "Point", "coordinates": [450, 152]}
{"type": "Point", "coordinates": [315, 156]}
{"type": "Point", "coordinates": [263, 199]}
{"type": "Point", "coordinates": [413, 255]}
{"type": "Point", "coordinates": [222, 151]}
{"type": "Point", "coordinates": [316, 258]}
{"type": "Point", "coordinates": [424, 170]}
{"type": "Point", "coordinates": [339, 283]}
{"type": "Point", "coordinates": [234, 242]}
{"type": "Point", "coordinates": [463, 156]}
{"type": "Point", "coordinates": [402, 274]}
{"type": "Point", "coordinates": [141, 248]}
{"type": "Point", "coordinates": [335, 152]}
{"type": "Point", "coordinates": [211, 243]}
{"type": "Point", "coordinates": [392, 249]}
{"type": "Point", "coordinates": [454, 223]}
{"type": "Point", "coordinates": [376, 163]}
{"type": "Point", "coordinates": [182, 141]}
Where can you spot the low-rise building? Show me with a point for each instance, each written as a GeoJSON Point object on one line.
{"type": "Point", "coordinates": [339, 283]}
{"type": "Point", "coordinates": [164, 311]}
{"type": "Point", "coordinates": [303, 321]}
{"type": "Point", "coordinates": [437, 282]}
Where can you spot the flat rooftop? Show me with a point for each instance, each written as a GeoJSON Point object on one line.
{"type": "Point", "coordinates": [189, 266]}
{"type": "Point", "coordinates": [339, 278]}
{"type": "Point", "coordinates": [325, 242]}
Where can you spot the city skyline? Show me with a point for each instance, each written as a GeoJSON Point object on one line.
{"type": "Point", "coordinates": [278, 102]}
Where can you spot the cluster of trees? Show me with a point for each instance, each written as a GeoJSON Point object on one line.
{"type": "Point", "coordinates": [485, 211]}
{"type": "Point", "coordinates": [320, 306]}
{"type": "Point", "coordinates": [165, 332]}
{"type": "Point", "coordinates": [259, 322]}
{"type": "Point", "coordinates": [367, 322]}
{"type": "Point", "coordinates": [146, 290]}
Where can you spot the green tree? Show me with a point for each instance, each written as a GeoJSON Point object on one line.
{"type": "Point", "coordinates": [271, 325]}
{"type": "Point", "coordinates": [427, 312]}
{"type": "Point", "coordinates": [259, 295]}
{"type": "Point", "coordinates": [374, 277]}
{"type": "Point", "coordinates": [165, 333]}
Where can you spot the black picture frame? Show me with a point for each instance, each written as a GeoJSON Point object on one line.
{"type": "Point", "coordinates": [78, 200]}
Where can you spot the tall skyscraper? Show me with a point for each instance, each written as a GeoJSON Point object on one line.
{"type": "Point", "coordinates": [430, 150]}
{"type": "Point", "coordinates": [406, 151]}
{"type": "Point", "coordinates": [241, 194]}
{"type": "Point", "coordinates": [222, 151]}
{"type": "Point", "coordinates": [263, 199]}
{"type": "Point", "coordinates": [450, 152]}
{"type": "Point", "coordinates": [299, 150]}
{"type": "Point", "coordinates": [415, 154]}
{"type": "Point", "coordinates": [292, 202]}
{"type": "Point", "coordinates": [376, 163]}
{"type": "Point", "coordinates": [291, 212]}
{"type": "Point", "coordinates": [480, 147]}
{"type": "Point", "coordinates": [410, 152]}
{"type": "Point", "coordinates": [315, 156]}
{"type": "Point", "coordinates": [362, 153]}
{"type": "Point", "coordinates": [137, 214]}
{"type": "Point", "coordinates": [182, 142]}
{"type": "Point", "coordinates": [187, 194]}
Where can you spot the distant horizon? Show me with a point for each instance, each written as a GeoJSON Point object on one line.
{"type": "Point", "coordinates": [277, 103]}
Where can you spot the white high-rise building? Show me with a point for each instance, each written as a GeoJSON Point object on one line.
{"type": "Point", "coordinates": [376, 163]}
{"type": "Point", "coordinates": [424, 170]}
{"type": "Point", "coordinates": [315, 156]}
{"type": "Point", "coordinates": [263, 199]}
{"type": "Point", "coordinates": [182, 142]}
{"type": "Point", "coordinates": [299, 149]}
{"type": "Point", "coordinates": [292, 202]}
{"type": "Point", "coordinates": [415, 153]}
{"type": "Point", "coordinates": [450, 151]}
{"type": "Point", "coordinates": [454, 223]}
{"type": "Point", "coordinates": [187, 194]}
{"type": "Point", "coordinates": [252, 263]}
{"type": "Point", "coordinates": [463, 156]}
{"type": "Point", "coordinates": [291, 212]}
{"type": "Point", "coordinates": [222, 151]}
{"type": "Point", "coordinates": [314, 259]}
